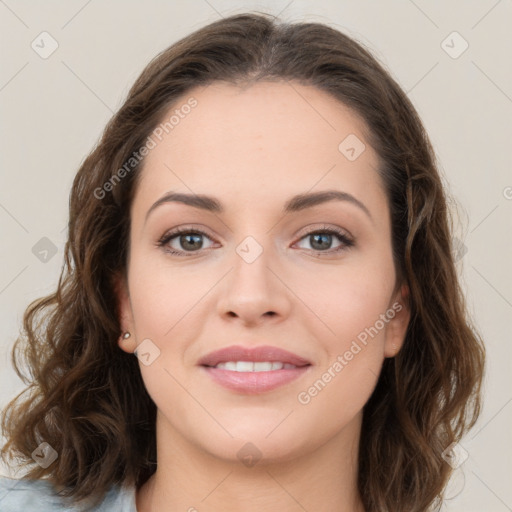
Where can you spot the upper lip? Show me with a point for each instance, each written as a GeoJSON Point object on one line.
{"type": "Point", "coordinates": [257, 354]}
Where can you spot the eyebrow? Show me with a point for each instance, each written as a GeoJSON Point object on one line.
{"type": "Point", "coordinates": [295, 204]}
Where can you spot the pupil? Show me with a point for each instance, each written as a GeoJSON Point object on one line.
{"type": "Point", "coordinates": [326, 237]}
{"type": "Point", "coordinates": [186, 238]}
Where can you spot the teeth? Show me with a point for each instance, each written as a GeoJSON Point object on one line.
{"type": "Point", "coordinates": [250, 366]}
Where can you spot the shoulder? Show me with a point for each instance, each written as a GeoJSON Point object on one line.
{"type": "Point", "coordinates": [28, 495]}
{"type": "Point", "coordinates": [40, 496]}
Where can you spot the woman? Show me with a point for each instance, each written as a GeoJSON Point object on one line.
{"type": "Point", "coordinates": [264, 227]}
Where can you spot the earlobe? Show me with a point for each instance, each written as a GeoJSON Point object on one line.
{"type": "Point", "coordinates": [400, 314]}
{"type": "Point", "coordinates": [126, 340]}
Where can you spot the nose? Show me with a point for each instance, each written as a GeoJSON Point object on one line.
{"type": "Point", "coordinates": [254, 292]}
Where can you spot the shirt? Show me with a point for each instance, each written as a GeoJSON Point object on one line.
{"type": "Point", "coordinates": [40, 496]}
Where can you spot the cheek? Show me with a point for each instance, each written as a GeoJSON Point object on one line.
{"type": "Point", "coordinates": [355, 313]}
{"type": "Point", "coordinates": [339, 392]}
{"type": "Point", "coordinates": [347, 300]}
{"type": "Point", "coordinates": [161, 296]}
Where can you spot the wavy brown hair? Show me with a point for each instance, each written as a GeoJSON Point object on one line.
{"type": "Point", "coordinates": [86, 396]}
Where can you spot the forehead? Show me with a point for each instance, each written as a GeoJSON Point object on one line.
{"type": "Point", "coordinates": [254, 144]}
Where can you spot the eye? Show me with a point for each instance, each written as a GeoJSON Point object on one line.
{"type": "Point", "coordinates": [321, 239]}
{"type": "Point", "coordinates": [189, 240]}
{"type": "Point", "coordinates": [186, 241]}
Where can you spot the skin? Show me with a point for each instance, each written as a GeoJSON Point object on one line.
{"type": "Point", "coordinates": [233, 146]}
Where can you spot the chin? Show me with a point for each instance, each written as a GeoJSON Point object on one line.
{"type": "Point", "coordinates": [256, 450]}
{"type": "Point", "coordinates": [253, 437]}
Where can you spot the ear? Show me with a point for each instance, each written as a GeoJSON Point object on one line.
{"type": "Point", "coordinates": [125, 314]}
{"type": "Point", "coordinates": [397, 325]}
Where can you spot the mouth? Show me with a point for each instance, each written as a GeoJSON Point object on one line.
{"type": "Point", "coordinates": [253, 366]}
{"type": "Point", "coordinates": [253, 370]}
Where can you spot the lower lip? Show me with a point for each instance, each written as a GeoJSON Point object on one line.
{"type": "Point", "coordinates": [252, 383]}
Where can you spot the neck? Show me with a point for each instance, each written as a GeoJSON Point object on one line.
{"type": "Point", "coordinates": [189, 479]}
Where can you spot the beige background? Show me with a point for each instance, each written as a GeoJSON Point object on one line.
{"type": "Point", "coordinates": [53, 110]}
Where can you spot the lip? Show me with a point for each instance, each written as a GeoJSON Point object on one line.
{"type": "Point", "coordinates": [253, 382]}
{"type": "Point", "coordinates": [257, 354]}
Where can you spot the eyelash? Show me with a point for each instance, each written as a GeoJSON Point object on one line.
{"type": "Point", "coordinates": [347, 242]}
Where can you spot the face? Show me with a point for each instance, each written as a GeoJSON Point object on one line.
{"type": "Point", "coordinates": [313, 278]}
